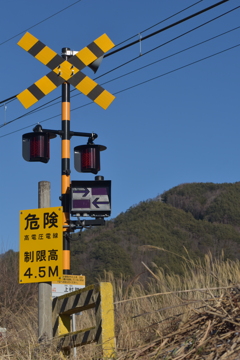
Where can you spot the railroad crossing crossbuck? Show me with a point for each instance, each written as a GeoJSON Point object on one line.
{"type": "Point", "coordinates": [66, 70]}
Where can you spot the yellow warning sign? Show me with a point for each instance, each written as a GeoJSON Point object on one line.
{"type": "Point", "coordinates": [40, 253]}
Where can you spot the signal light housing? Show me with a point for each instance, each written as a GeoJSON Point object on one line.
{"type": "Point", "coordinates": [36, 146]}
{"type": "Point", "coordinates": [87, 158]}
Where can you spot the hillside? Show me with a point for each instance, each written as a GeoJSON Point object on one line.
{"type": "Point", "coordinates": [199, 217]}
{"type": "Point", "coordinates": [207, 201]}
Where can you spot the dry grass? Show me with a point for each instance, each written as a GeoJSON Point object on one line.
{"type": "Point", "coordinates": [149, 325]}
{"type": "Point", "coordinates": [170, 317]}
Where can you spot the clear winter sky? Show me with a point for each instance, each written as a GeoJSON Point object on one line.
{"type": "Point", "coordinates": [182, 127]}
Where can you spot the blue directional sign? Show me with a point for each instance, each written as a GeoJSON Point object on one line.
{"type": "Point", "coordinates": [91, 198]}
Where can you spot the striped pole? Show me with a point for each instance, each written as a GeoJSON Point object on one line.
{"type": "Point", "coordinates": [66, 169]}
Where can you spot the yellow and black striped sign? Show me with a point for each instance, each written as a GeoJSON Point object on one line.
{"type": "Point", "coordinates": [98, 297]}
{"type": "Point", "coordinates": [65, 70]}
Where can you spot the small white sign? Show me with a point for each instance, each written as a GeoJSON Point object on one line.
{"type": "Point", "coordinates": [63, 289]}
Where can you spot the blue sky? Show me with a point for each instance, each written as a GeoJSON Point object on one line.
{"type": "Point", "coordinates": [182, 127]}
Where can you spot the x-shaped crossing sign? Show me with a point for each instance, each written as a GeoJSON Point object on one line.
{"type": "Point", "coordinates": [65, 71]}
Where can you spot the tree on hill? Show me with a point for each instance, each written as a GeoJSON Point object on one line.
{"type": "Point", "coordinates": [198, 217]}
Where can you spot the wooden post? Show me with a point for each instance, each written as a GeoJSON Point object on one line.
{"type": "Point", "coordinates": [44, 289]}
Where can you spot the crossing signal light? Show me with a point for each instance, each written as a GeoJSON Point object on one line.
{"type": "Point", "coordinates": [87, 158]}
{"type": "Point", "coordinates": [36, 145]}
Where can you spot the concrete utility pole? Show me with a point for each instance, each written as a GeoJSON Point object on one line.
{"type": "Point", "coordinates": [44, 289]}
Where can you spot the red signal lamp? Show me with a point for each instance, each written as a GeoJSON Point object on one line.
{"type": "Point", "coordinates": [87, 158]}
{"type": "Point", "coordinates": [36, 146]}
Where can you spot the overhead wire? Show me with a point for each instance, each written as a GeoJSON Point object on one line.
{"type": "Point", "coordinates": [160, 22]}
{"type": "Point", "coordinates": [156, 61]}
{"type": "Point", "coordinates": [40, 22]}
{"type": "Point", "coordinates": [8, 100]}
{"type": "Point", "coordinates": [49, 103]}
{"type": "Point", "coordinates": [136, 85]}
{"type": "Point", "coordinates": [41, 107]}
{"type": "Point", "coordinates": [179, 68]}
{"type": "Point", "coordinates": [167, 27]}
{"type": "Point", "coordinates": [171, 40]}
{"type": "Point", "coordinates": [171, 55]}
{"type": "Point", "coordinates": [156, 32]}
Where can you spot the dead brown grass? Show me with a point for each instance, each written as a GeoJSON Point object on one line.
{"type": "Point", "coordinates": [194, 316]}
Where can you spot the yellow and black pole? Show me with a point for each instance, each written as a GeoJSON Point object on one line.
{"type": "Point", "coordinates": [65, 173]}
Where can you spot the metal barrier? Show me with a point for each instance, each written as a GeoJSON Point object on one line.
{"type": "Point", "coordinates": [99, 297]}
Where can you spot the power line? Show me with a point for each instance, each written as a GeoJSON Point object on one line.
{"type": "Point", "coordinates": [179, 68]}
{"type": "Point", "coordinates": [171, 55]}
{"type": "Point", "coordinates": [46, 105]}
{"type": "Point", "coordinates": [40, 22]}
{"type": "Point", "coordinates": [150, 35]}
{"type": "Point", "coordinates": [136, 85]}
{"type": "Point", "coordinates": [39, 108]}
{"type": "Point", "coordinates": [160, 22]}
{"type": "Point", "coordinates": [42, 107]}
{"type": "Point", "coordinates": [167, 27]}
{"type": "Point", "coordinates": [8, 99]}
{"type": "Point", "coordinates": [169, 41]}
